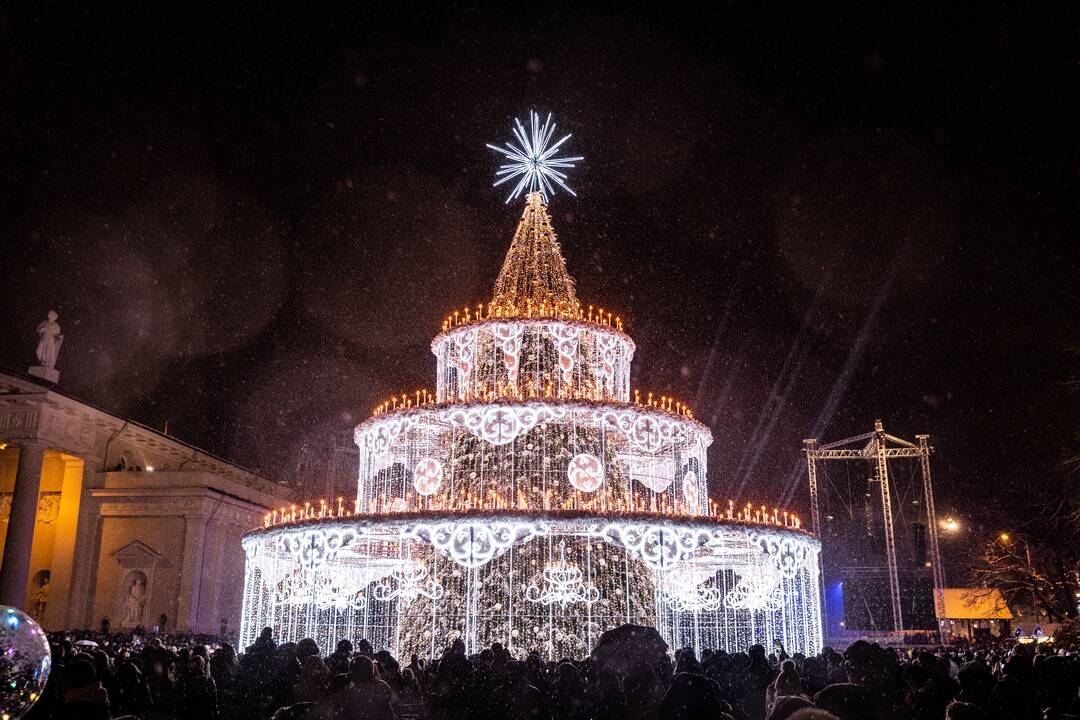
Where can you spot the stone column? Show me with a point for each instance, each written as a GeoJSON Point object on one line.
{"type": "Point", "coordinates": [187, 606]}
{"type": "Point", "coordinates": [63, 555]}
{"type": "Point", "coordinates": [87, 550]}
{"type": "Point", "coordinates": [15, 569]}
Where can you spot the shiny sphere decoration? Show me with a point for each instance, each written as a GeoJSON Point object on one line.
{"type": "Point", "coordinates": [585, 472]}
{"type": "Point", "coordinates": [427, 476]}
{"type": "Point", "coordinates": [25, 662]}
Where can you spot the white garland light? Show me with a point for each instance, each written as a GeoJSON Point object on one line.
{"type": "Point", "coordinates": [533, 160]}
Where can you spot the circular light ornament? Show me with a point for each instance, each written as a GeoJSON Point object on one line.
{"type": "Point", "coordinates": [25, 662]}
{"type": "Point", "coordinates": [690, 491]}
{"type": "Point", "coordinates": [427, 476]}
{"type": "Point", "coordinates": [585, 472]}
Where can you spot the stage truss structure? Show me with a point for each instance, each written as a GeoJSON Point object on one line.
{"type": "Point", "coordinates": [877, 448]}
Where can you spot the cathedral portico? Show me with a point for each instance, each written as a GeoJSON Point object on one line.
{"type": "Point", "coordinates": [101, 517]}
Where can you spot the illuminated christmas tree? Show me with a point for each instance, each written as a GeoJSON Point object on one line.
{"type": "Point", "coordinates": [531, 498]}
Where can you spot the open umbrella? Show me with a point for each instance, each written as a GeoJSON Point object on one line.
{"type": "Point", "coordinates": [627, 647]}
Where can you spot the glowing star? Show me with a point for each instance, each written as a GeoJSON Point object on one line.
{"type": "Point", "coordinates": [533, 160]}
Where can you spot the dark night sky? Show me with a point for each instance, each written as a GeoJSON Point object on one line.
{"type": "Point", "coordinates": [252, 222]}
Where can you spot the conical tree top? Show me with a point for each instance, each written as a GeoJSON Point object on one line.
{"type": "Point", "coordinates": [533, 280]}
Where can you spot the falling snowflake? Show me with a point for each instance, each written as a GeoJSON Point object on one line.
{"type": "Point", "coordinates": [533, 161]}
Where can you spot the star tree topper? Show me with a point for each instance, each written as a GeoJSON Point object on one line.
{"type": "Point", "coordinates": [532, 162]}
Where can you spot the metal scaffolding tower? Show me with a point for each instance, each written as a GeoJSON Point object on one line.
{"type": "Point", "coordinates": [878, 447]}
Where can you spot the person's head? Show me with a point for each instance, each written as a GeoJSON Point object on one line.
{"type": "Point", "coordinates": [266, 635]}
{"type": "Point", "coordinates": [80, 673]}
{"type": "Point", "coordinates": [857, 659]}
{"type": "Point", "coordinates": [197, 664]}
{"type": "Point", "coordinates": [915, 676]}
{"type": "Point", "coordinates": [788, 666]}
{"type": "Point", "coordinates": [812, 714]}
{"type": "Point", "coordinates": [964, 711]}
{"type": "Point", "coordinates": [785, 707]}
{"type": "Point", "coordinates": [533, 663]}
{"type": "Point", "coordinates": [847, 701]}
{"type": "Point", "coordinates": [225, 654]}
{"type": "Point", "coordinates": [363, 669]}
{"type": "Point", "coordinates": [344, 647]}
{"type": "Point", "coordinates": [313, 665]}
{"type": "Point", "coordinates": [129, 671]}
{"type": "Point", "coordinates": [299, 711]}
{"type": "Point", "coordinates": [306, 647]}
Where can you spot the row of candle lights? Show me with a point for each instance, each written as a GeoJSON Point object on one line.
{"type": "Point", "coordinates": [463, 501]}
{"type": "Point", "coordinates": [505, 390]}
{"type": "Point", "coordinates": [555, 311]}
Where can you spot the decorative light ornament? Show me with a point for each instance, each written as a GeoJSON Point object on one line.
{"type": "Point", "coordinates": [690, 492]}
{"type": "Point", "coordinates": [340, 591]}
{"type": "Point", "coordinates": [757, 587]}
{"type": "Point", "coordinates": [684, 590]}
{"type": "Point", "coordinates": [412, 582]}
{"type": "Point", "coordinates": [654, 472]}
{"type": "Point", "coordinates": [566, 343]}
{"type": "Point", "coordinates": [427, 476]}
{"type": "Point", "coordinates": [585, 472]}
{"type": "Point", "coordinates": [562, 585]}
{"type": "Point", "coordinates": [509, 335]}
{"type": "Point", "coordinates": [25, 662]}
{"type": "Point", "coordinates": [533, 160]}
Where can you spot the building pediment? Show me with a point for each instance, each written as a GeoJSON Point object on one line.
{"type": "Point", "coordinates": [137, 555]}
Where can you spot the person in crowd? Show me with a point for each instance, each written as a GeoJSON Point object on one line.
{"type": "Point", "coordinates": [197, 677]}
{"type": "Point", "coordinates": [338, 661]}
{"type": "Point", "coordinates": [198, 694]}
{"type": "Point", "coordinates": [367, 698]}
{"type": "Point", "coordinates": [132, 695]}
{"type": "Point", "coordinates": [85, 697]}
{"type": "Point", "coordinates": [314, 680]}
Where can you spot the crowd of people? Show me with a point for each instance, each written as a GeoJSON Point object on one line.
{"type": "Point", "coordinates": [166, 677]}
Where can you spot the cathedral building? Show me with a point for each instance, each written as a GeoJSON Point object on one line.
{"type": "Point", "coordinates": [101, 517]}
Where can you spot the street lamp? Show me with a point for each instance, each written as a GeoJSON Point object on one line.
{"type": "Point", "coordinates": [950, 525]}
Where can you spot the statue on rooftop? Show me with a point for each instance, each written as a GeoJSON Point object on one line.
{"type": "Point", "coordinates": [49, 340]}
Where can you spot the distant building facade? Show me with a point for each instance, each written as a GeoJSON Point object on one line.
{"type": "Point", "coordinates": [101, 517]}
